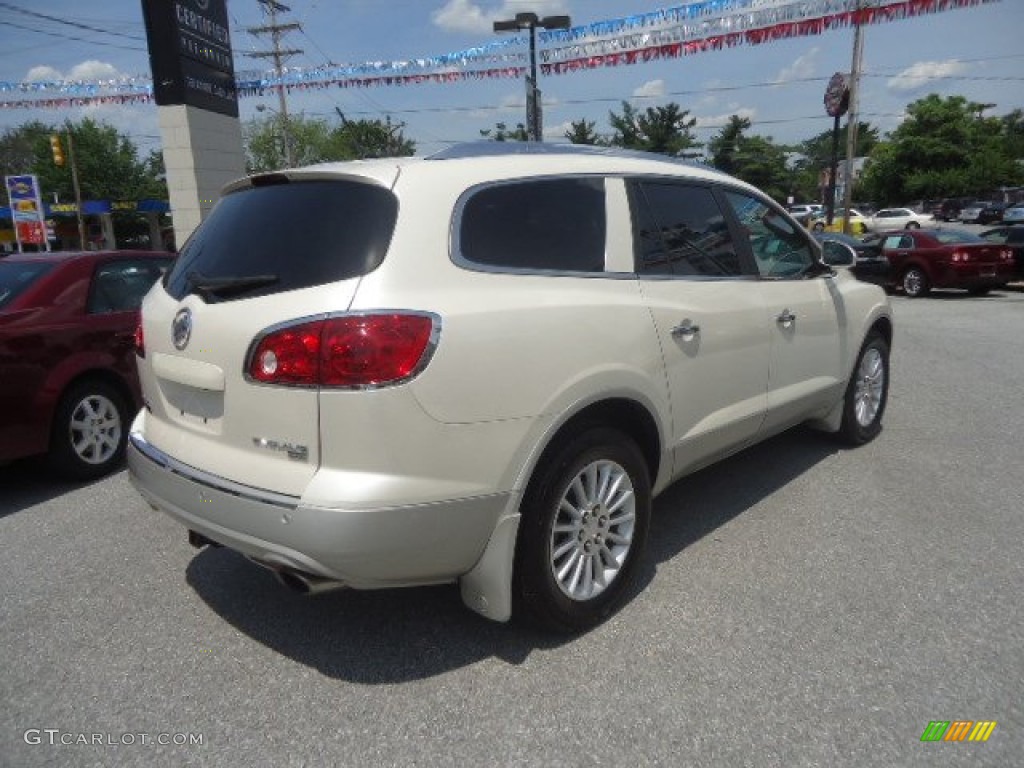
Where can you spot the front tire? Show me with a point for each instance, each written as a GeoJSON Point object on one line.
{"type": "Point", "coordinates": [867, 393]}
{"type": "Point", "coordinates": [585, 517]}
{"type": "Point", "coordinates": [90, 431]}
{"type": "Point", "coordinates": [915, 283]}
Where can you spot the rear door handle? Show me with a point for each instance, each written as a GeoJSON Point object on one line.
{"type": "Point", "coordinates": [786, 318]}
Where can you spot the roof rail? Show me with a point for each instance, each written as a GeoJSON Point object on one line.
{"type": "Point", "coordinates": [509, 148]}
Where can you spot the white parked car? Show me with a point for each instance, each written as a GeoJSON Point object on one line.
{"type": "Point", "coordinates": [481, 366]}
{"type": "Point", "coordinates": [899, 218]}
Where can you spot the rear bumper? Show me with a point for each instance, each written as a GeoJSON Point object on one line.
{"type": "Point", "coordinates": [365, 548]}
{"type": "Point", "coordinates": [973, 276]}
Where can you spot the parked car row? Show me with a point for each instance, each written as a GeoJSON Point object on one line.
{"type": "Point", "coordinates": [813, 216]}
{"type": "Point", "coordinates": [916, 260]}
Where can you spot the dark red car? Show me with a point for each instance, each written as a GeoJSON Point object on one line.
{"type": "Point", "coordinates": [945, 258]}
{"type": "Point", "coordinates": [68, 381]}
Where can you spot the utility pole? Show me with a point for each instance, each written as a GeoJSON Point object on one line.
{"type": "Point", "coordinates": [77, 188]}
{"type": "Point", "coordinates": [277, 32]}
{"type": "Point", "coordinates": [853, 121]}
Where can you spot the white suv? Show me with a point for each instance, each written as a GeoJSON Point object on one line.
{"type": "Point", "coordinates": [480, 366]}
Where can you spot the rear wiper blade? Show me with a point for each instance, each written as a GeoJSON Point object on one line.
{"type": "Point", "coordinates": [212, 288]}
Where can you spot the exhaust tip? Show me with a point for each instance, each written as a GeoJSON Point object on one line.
{"type": "Point", "coordinates": [199, 541]}
{"type": "Point", "coordinates": [306, 583]}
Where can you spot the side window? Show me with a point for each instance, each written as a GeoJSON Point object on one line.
{"type": "Point", "coordinates": [680, 230]}
{"type": "Point", "coordinates": [540, 224]}
{"type": "Point", "coordinates": [779, 249]}
{"type": "Point", "coordinates": [119, 286]}
{"type": "Point", "coordinates": [892, 241]}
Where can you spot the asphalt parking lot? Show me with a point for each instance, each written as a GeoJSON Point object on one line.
{"type": "Point", "coordinates": [802, 605]}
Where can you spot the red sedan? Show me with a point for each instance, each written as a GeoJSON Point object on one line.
{"type": "Point", "coordinates": [68, 381]}
{"type": "Point", "coordinates": [946, 258]}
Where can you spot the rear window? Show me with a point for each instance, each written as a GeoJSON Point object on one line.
{"type": "Point", "coordinates": [285, 236]}
{"type": "Point", "coordinates": [539, 224]}
{"type": "Point", "coordinates": [17, 276]}
{"type": "Point", "coordinates": [953, 236]}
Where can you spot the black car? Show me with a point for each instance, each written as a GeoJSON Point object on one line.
{"type": "Point", "coordinates": [1013, 238]}
{"type": "Point", "coordinates": [871, 267]}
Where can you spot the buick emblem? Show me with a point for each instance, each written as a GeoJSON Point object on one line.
{"type": "Point", "coordinates": [181, 328]}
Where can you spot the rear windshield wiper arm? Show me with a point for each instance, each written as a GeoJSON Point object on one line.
{"type": "Point", "coordinates": [212, 288]}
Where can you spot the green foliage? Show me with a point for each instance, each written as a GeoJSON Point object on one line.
{"type": "Point", "coordinates": [666, 130]}
{"type": "Point", "coordinates": [582, 132]}
{"type": "Point", "coordinates": [501, 132]}
{"type": "Point", "coordinates": [946, 148]}
{"type": "Point", "coordinates": [108, 164]}
{"type": "Point", "coordinates": [318, 141]}
{"type": "Point", "coordinates": [723, 146]}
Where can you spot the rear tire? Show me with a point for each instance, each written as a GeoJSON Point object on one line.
{"type": "Point", "coordinates": [913, 225]}
{"type": "Point", "coordinates": [90, 431]}
{"type": "Point", "coordinates": [585, 517]}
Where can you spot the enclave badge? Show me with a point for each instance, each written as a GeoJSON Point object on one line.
{"type": "Point", "coordinates": [181, 328]}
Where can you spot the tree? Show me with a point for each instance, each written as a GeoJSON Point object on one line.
{"type": "Point", "coordinates": [108, 164]}
{"type": "Point", "coordinates": [18, 148]}
{"type": "Point", "coordinates": [317, 141]}
{"type": "Point", "coordinates": [723, 146]}
{"type": "Point", "coordinates": [501, 132]}
{"type": "Point", "coordinates": [582, 132]}
{"type": "Point", "coordinates": [945, 148]}
{"type": "Point", "coordinates": [761, 162]}
{"type": "Point", "coordinates": [667, 130]}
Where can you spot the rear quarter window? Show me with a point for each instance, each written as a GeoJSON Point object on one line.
{"type": "Point", "coordinates": [535, 225]}
{"type": "Point", "coordinates": [299, 234]}
{"type": "Point", "coordinates": [17, 276]}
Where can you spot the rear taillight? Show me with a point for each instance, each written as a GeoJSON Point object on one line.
{"type": "Point", "coordinates": [369, 350]}
{"type": "Point", "coordinates": [140, 341]}
{"type": "Point", "coordinates": [1006, 255]}
{"type": "Point", "coordinates": [961, 256]}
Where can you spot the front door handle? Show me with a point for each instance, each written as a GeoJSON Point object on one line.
{"type": "Point", "coordinates": [686, 330]}
{"type": "Point", "coordinates": [787, 318]}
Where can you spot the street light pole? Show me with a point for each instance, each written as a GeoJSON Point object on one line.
{"type": "Point", "coordinates": [530, 21]}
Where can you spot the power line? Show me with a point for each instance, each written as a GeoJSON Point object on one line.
{"type": "Point", "coordinates": [76, 25]}
{"type": "Point", "coordinates": [72, 37]}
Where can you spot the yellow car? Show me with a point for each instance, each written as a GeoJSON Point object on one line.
{"type": "Point", "coordinates": [858, 222]}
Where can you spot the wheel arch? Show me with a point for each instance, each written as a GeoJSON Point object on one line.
{"type": "Point", "coordinates": [624, 414]}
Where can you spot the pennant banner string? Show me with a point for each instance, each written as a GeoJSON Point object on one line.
{"type": "Point", "coordinates": [665, 34]}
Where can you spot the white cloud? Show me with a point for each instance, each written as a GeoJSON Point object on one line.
{"type": "Point", "coordinates": [923, 73]}
{"type": "Point", "coordinates": [804, 66]}
{"type": "Point", "coordinates": [650, 89]}
{"type": "Point", "coordinates": [472, 17]}
{"type": "Point", "coordinates": [42, 74]}
{"type": "Point", "coordinates": [93, 70]}
{"type": "Point", "coordinates": [717, 121]}
{"type": "Point", "coordinates": [87, 70]}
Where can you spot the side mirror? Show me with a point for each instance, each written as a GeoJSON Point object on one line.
{"type": "Point", "coordinates": [837, 254]}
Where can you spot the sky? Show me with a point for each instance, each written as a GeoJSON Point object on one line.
{"type": "Point", "coordinates": [976, 52]}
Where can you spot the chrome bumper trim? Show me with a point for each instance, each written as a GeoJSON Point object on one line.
{"type": "Point", "coordinates": [161, 459]}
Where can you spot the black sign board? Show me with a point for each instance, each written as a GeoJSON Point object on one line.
{"type": "Point", "coordinates": [190, 54]}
